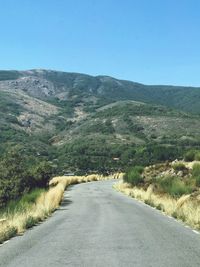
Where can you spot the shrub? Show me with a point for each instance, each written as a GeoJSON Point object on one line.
{"type": "Point", "coordinates": [165, 183]}
{"type": "Point", "coordinates": [196, 170]}
{"type": "Point", "coordinates": [174, 186]}
{"type": "Point", "coordinates": [19, 173]}
{"type": "Point", "coordinates": [179, 166]}
{"type": "Point", "coordinates": [139, 169]}
{"type": "Point", "coordinates": [197, 180]}
{"type": "Point", "coordinates": [133, 176]}
{"type": "Point", "coordinates": [197, 156]}
{"type": "Point", "coordinates": [179, 188]}
{"type": "Point", "coordinates": [190, 155]}
{"type": "Point", "coordinates": [196, 173]}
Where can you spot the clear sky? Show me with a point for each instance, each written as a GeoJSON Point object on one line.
{"type": "Point", "coordinates": [148, 41]}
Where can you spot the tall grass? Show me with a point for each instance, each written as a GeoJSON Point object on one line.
{"type": "Point", "coordinates": [23, 203]}
{"type": "Point", "coordinates": [39, 204]}
{"type": "Point", "coordinates": [185, 208]}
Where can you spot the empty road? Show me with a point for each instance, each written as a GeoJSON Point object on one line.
{"type": "Point", "coordinates": [97, 226]}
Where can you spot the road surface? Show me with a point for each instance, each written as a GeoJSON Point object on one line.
{"type": "Point", "coordinates": [97, 226]}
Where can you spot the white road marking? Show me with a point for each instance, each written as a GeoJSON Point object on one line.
{"type": "Point", "coordinates": [196, 232]}
{"type": "Point", "coordinates": [162, 212]}
{"type": "Point", "coordinates": [170, 217]}
{"type": "Point", "coordinates": [4, 243]}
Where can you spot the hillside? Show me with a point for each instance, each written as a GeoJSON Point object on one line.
{"type": "Point", "coordinates": [47, 84]}
{"type": "Point", "coordinates": [84, 122]}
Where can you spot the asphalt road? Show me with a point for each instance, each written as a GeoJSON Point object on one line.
{"type": "Point", "coordinates": [97, 226]}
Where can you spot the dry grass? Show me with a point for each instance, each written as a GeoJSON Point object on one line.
{"type": "Point", "coordinates": [185, 208]}
{"type": "Point", "coordinates": [68, 180]}
{"type": "Point", "coordinates": [16, 223]}
{"type": "Point", "coordinates": [190, 165]}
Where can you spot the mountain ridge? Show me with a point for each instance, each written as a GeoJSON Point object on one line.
{"type": "Point", "coordinates": [179, 97]}
{"type": "Point", "coordinates": [40, 70]}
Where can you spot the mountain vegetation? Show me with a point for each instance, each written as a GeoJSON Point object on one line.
{"type": "Point", "coordinates": [55, 122]}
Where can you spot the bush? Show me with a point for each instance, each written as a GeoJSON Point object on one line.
{"type": "Point", "coordinates": [40, 174]}
{"type": "Point", "coordinates": [139, 169]}
{"type": "Point", "coordinates": [196, 173]}
{"type": "Point", "coordinates": [197, 156]}
{"type": "Point", "coordinates": [133, 176]}
{"type": "Point", "coordinates": [20, 173]}
{"type": "Point", "coordinates": [174, 186]}
{"type": "Point", "coordinates": [179, 166]}
{"type": "Point", "coordinates": [165, 183]}
{"type": "Point", "coordinates": [179, 188]}
{"type": "Point", "coordinates": [197, 180]}
{"type": "Point", "coordinates": [196, 170]}
{"type": "Point", "coordinates": [190, 155]}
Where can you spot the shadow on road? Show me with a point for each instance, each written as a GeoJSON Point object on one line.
{"type": "Point", "coordinates": [66, 201]}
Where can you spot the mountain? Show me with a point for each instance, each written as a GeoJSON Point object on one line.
{"type": "Point", "coordinates": [82, 122]}
{"type": "Point", "coordinates": [47, 84]}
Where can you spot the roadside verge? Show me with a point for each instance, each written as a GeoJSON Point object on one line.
{"type": "Point", "coordinates": [12, 224]}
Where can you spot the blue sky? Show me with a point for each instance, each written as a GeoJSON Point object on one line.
{"type": "Point", "coordinates": [148, 41]}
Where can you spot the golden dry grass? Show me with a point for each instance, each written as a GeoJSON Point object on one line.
{"type": "Point", "coordinates": [47, 202]}
{"type": "Point", "coordinates": [68, 180]}
{"type": "Point", "coordinates": [190, 165]}
{"type": "Point", "coordinates": [185, 208]}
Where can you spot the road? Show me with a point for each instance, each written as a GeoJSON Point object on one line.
{"type": "Point", "coordinates": [97, 226]}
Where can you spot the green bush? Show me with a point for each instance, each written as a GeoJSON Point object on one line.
{"type": "Point", "coordinates": [20, 173]}
{"type": "Point", "coordinates": [165, 183]}
{"type": "Point", "coordinates": [174, 186]}
{"type": "Point", "coordinates": [179, 188]}
{"type": "Point", "coordinates": [197, 180]}
{"type": "Point", "coordinates": [133, 176]}
{"type": "Point", "coordinates": [179, 166]}
{"type": "Point", "coordinates": [197, 156]}
{"type": "Point", "coordinates": [190, 155]}
{"type": "Point", "coordinates": [139, 169]}
{"type": "Point", "coordinates": [196, 173]}
{"type": "Point", "coordinates": [196, 170]}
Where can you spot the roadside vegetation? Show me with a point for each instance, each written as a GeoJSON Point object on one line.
{"type": "Point", "coordinates": [37, 205]}
{"type": "Point", "coordinates": [134, 175]}
{"type": "Point", "coordinates": [172, 187]}
{"type": "Point", "coordinates": [20, 172]}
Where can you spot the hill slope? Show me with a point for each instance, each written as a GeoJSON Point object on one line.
{"type": "Point", "coordinates": [47, 84]}
{"type": "Point", "coordinates": [98, 123]}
